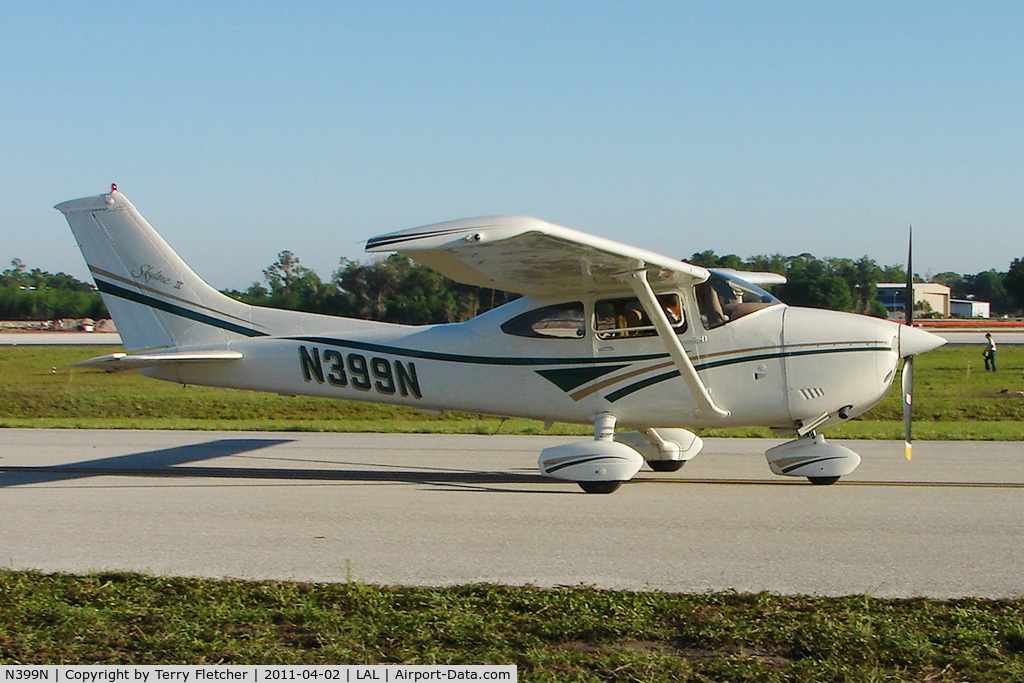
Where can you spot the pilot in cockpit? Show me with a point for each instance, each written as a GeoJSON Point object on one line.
{"type": "Point", "coordinates": [715, 298]}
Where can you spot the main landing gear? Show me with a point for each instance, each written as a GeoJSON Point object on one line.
{"type": "Point", "coordinates": [598, 466]}
{"type": "Point", "coordinates": [602, 465]}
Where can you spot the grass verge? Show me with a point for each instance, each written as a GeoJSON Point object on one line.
{"type": "Point", "coordinates": [567, 634]}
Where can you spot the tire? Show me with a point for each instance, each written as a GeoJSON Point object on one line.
{"type": "Point", "coordinates": [823, 481]}
{"type": "Point", "coordinates": [666, 465]}
{"type": "Point", "coordinates": [599, 486]}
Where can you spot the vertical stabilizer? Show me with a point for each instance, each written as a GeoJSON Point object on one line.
{"type": "Point", "coordinates": [156, 300]}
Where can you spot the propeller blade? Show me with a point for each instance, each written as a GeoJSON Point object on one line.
{"type": "Point", "coordinates": [908, 361]}
{"type": "Point", "coordinates": [908, 400]}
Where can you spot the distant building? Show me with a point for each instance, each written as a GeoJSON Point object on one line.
{"type": "Point", "coordinates": [969, 308]}
{"type": "Point", "coordinates": [935, 295]}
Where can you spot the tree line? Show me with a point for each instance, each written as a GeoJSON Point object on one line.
{"type": "Point", "coordinates": [394, 289]}
{"type": "Point", "coordinates": [399, 290]}
{"type": "Point", "coordinates": [37, 295]}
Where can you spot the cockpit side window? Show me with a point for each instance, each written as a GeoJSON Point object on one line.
{"type": "Point", "coordinates": [722, 299]}
{"type": "Point", "coordinates": [620, 318]}
{"type": "Point", "coordinates": [561, 321]}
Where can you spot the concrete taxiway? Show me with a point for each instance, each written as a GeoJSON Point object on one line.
{"type": "Point", "coordinates": [439, 510]}
{"type": "Point", "coordinates": [60, 339]}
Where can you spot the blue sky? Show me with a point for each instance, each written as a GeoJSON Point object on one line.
{"type": "Point", "coordinates": [241, 129]}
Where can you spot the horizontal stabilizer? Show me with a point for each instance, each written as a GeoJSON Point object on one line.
{"type": "Point", "coordinates": [120, 362]}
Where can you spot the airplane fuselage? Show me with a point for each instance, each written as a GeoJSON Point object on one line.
{"type": "Point", "coordinates": [777, 366]}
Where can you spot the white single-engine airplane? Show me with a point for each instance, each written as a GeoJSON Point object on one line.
{"type": "Point", "coordinates": [605, 333]}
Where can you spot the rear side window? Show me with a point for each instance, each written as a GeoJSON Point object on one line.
{"type": "Point", "coordinates": [561, 321]}
{"type": "Point", "coordinates": [621, 318]}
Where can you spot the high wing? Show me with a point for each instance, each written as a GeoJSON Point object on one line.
{"type": "Point", "coordinates": [532, 257]}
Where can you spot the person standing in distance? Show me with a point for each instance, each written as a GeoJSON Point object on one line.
{"type": "Point", "coordinates": [990, 353]}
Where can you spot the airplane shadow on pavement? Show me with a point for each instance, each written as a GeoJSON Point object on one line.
{"type": "Point", "coordinates": [173, 462]}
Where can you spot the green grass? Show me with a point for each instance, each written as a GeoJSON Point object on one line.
{"type": "Point", "coordinates": [954, 399]}
{"type": "Point", "coordinates": [569, 634]}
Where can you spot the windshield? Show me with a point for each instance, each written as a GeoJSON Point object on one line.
{"type": "Point", "coordinates": [724, 298]}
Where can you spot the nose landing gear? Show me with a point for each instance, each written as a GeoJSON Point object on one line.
{"type": "Point", "coordinates": [810, 456]}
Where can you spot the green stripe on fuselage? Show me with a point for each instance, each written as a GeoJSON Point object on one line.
{"type": "Point", "coordinates": [650, 381]}
{"type": "Point", "coordinates": [473, 360]}
{"type": "Point", "coordinates": [174, 309]}
{"type": "Point", "coordinates": [568, 379]}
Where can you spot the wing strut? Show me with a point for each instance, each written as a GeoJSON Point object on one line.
{"type": "Point", "coordinates": [706, 404]}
